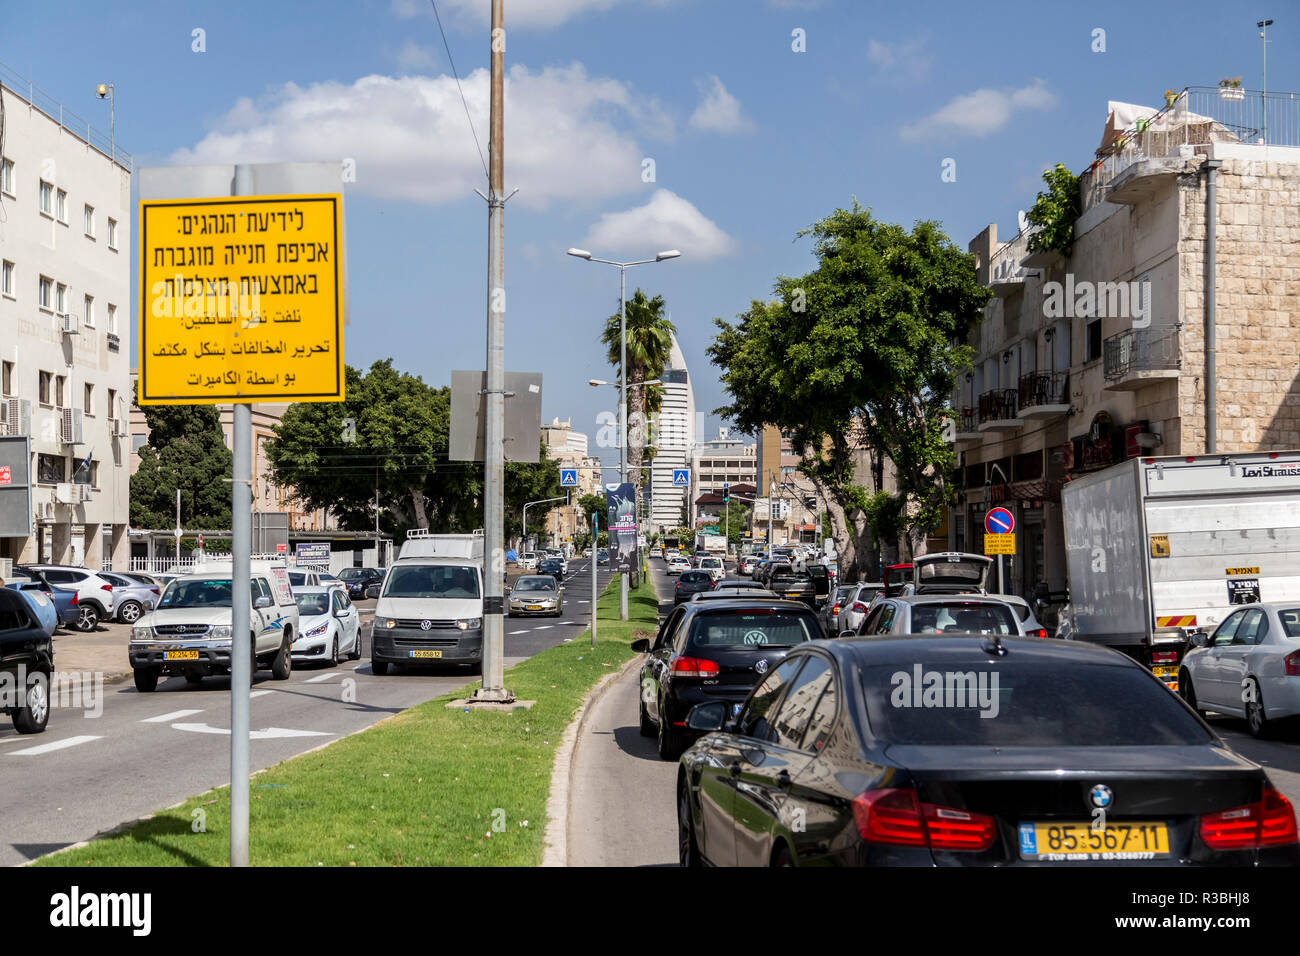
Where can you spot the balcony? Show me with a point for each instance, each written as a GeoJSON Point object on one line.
{"type": "Point", "coordinates": [966, 428]}
{"type": "Point", "coordinates": [1044, 394]}
{"type": "Point", "coordinates": [1138, 357]}
{"type": "Point", "coordinates": [1006, 270]}
{"type": "Point", "coordinates": [997, 410]}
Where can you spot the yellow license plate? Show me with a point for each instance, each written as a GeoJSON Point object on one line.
{"type": "Point", "coordinates": [534, 607]}
{"type": "Point", "coordinates": [426, 654]}
{"type": "Point", "coordinates": [1079, 841]}
{"type": "Point", "coordinates": [180, 655]}
{"type": "Point", "coordinates": [1165, 670]}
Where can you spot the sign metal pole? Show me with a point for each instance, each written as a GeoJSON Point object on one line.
{"type": "Point", "coordinates": [595, 560]}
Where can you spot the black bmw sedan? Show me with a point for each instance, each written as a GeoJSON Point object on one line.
{"type": "Point", "coordinates": [915, 751]}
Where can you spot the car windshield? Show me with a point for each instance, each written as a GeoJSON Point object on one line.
{"type": "Point", "coordinates": [312, 604]}
{"type": "Point", "coordinates": [1110, 706]}
{"type": "Point", "coordinates": [769, 627]}
{"type": "Point", "coordinates": [213, 592]}
{"type": "Point", "coordinates": [535, 584]}
{"type": "Point", "coordinates": [963, 617]}
{"type": "Point", "coordinates": [432, 581]}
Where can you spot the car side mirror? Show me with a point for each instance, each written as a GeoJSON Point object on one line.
{"type": "Point", "coordinates": [261, 601]}
{"type": "Point", "coordinates": [641, 646]}
{"type": "Point", "coordinates": [341, 612]}
{"type": "Point", "coordinates": [1200, 639]}
{"type": "Point", "coordinates": [848, 633]}
{"type": "Point", "coordinates": [707, 717]}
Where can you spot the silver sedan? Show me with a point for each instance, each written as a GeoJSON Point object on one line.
{"type": "Point", "coordinates": [536, 594]}
{"type": "Point", "coordinates": [1249, 667]}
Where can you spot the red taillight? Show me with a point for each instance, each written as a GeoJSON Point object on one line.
{"type": "Point", "coordinates": [106, 587]}
{"type": "Point", "coordinates": [1270, 822]}
{"type": "Point", "coordinates": [154, 590]}
{"type": "Point", "coordinates": [74, 597]}
{"type": "Point", "coordinates": [859, 607]}
{"type": "Point", "coordinates": [1291, 663]}
{"type": "Point", "coordinates": [899, 817]}
{"type": "Point", "coordinates": [694, 667]}
{"type": "Point", "coordinates": [835, 609]}
{"type": "Point", "coordinates": [1041, 632]}
{"type": "Point", "coordinates": [1164, 657]}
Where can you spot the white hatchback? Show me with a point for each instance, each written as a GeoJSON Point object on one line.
{"type": "Point", "coordinates": [714, 566]}
{"type": "Point", "coordinates": [677, 564]}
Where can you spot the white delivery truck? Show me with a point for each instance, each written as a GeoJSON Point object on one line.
{"type": "Point", "coordinates": [1157, 548]}
{"type": "Point", "coordinates": [430, 607]}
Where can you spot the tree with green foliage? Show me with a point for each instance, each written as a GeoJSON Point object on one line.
{"type": "Point", "coordinates": [649, 345]}
{"type": "Point", "coordinates": [186, 450]}
{"type": "Point", "coordinates": [1055, 212]}
{"type": "Point", "coordinates": [862, 352]}
{"type": "Point", "coordinates": [595, 505]}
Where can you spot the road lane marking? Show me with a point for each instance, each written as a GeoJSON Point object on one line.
{"type": "Point", "coordinates": [56, 745]}
{"type": "Point", "coordinates": [524, 631]}
{"type": "Point", "coordinates": [259, 693]}
{"type": "Point", "coordinates": [268, 733]}
{"type": "Point", "coordinates": [168, 718]}
{"type": "Point", "coordinates": [320, 677]}
{"type": "Point", "coordinates": [544, 627]}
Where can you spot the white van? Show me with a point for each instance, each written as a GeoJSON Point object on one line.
{"type": "Point", "coordinates": [431, 605]}
{"type": "Point", "coordinates": [189, 632]}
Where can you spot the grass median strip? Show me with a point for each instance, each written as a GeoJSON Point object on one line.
{"type": "Point", "coordinates": [428, 787]}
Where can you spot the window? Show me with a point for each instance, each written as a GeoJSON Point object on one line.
{"type": "Point", "coordinates": [1093, 341]}
{"type": "Point", "coordinates": [112, 233]}
{"type": "Point", "coordinates": [88, 310]}
{"type": "Point", "coordinates": [112, 318]}
{"type": "Point", "coordinates": [88, 405]}
{"type": "Point", "coordinates": [6, 378]}
{"type": "Point", "coordinates": [753, 720]}
{"type": "Point", "coordinates": [1227, 630]}
{"type": "Point", "coordinates": [61, 206]}
{"type": "Point", "coordinates": [87, 473]}
{"type": "Point", "coordinates": [60, 299]}
{"type": "Point", "coordinates": [112, 403]}
{"type": "Point", "coordinates": [797, 707]}
{"type": "Point", "coordinates": [89, 217]}
{"type": "Point", "coordinates": [45, 379]}
{"type": "Point", "coordinates": [1253, 629]}
{"type": "Point", "coordinates": [7, 278]}
{"type": "Point", "coordinates": [47, 198]}
{"type": "Point", "coordinates": [45, 292]}
{"type": "Point", "coordinates": [59, 381]}
{"type": "Point", "coordinates": [7, 176]}
{"type": "Point", "coordinates": [822, 720]}
{"type": "Point", "coordinates": [51, 469]}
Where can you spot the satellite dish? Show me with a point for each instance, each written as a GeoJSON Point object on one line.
{"type": "Point", "coordinates": [1022, 220]}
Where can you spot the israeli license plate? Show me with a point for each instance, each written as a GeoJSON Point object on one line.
{"type": "Point", "coordinates": [1165, 670]}
{"type": "Point", "coordinates": [426, 654]}
{"type": "Point", "coordinates": [1079, 841]}
{"type": "Point", "coordinates": [180, 655]}
{"type": "Point", "coordinates": [534, 607]}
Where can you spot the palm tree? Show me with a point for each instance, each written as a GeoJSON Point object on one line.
{"type": "Point", "coordinates": [649, 344]}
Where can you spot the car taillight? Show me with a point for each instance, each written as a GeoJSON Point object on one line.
{"type": "Point", "coordinates": [1041, 632]}
{"type": "Point", "coordinates": [859, 607]}
{"type": "Point", "coordinates": [835, 609]}
{"type": "Point", "coordinates": [106, 587]}
{"type": "Point", "coordinates": [1270, 822]}
{"type": "Point", "coordinates": [74, 598]}
{"type": "Point", "coordinates": [1291, 663]}
{"type": "Point", "coordinates": [1164, 657]}
{"type": "Point", "coordinates": [899, 817]}
{"type": "Point", "coordinates": [694, 667]}
{"type": "Point", "coordinates": [154, 590]}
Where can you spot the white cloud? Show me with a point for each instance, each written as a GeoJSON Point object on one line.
{"type": "Point", "coordinates": [903, 62]}
{"type": "Point", "coordinates": [412, 57]}
{"type": "Point", "coordinates": [568, 135]}
{"type": "Point", "coordinates": [980, 113]}
{"type": "Point", "coordinates": [523, 13]}
{"type": "Point", "coordinates": [719, 111]}
{"type": "Point", "coordinates": [667, 221]}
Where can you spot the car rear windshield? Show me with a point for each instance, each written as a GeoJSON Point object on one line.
{"type": "Point", "coordinates": [952, 571]}
{"type": "Point", "coordinates": [788, 577]}
{"type": "Point", "coordinates": [963, 617]}
{"type": "Point", "coordinates": [697, 577]}
{"type": "Point", "coordinates": [432, 581]}
{"type": "Point", "coordinates": [1026, 703]}
{"type": "Point", "coordinates": [739, 627]}
{"type": "Point", "coordinates": [206, 593]}
{"type": "Point", "coordinates": [312, 604]}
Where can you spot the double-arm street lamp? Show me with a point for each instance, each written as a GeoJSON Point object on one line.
{"type": "Point", "coordinates": [622, 370]}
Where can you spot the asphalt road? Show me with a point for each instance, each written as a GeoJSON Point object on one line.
{"type": "Point", "coordinates": [89, 772]}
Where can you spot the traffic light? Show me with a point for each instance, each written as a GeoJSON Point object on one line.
{"type": "Point", "coordinates": [726, 493]}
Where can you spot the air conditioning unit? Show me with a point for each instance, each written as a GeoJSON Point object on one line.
{"type": "Point", "coordinates": [121, 428]}
{"type": "Point", "coordinates": [45, 509]}
{"type": "Point", "coordinates": [66, 493]}
{"type": "Point", "coordinates": [6, 568]}
{"type": "Point", "coordinates": [84, 492]}
{"type": "Point", "coordinates": [4, 418]}
{"type": "Point", "coordinates": [19, 415]}
{"type": "Point", "coordinates": [72, 427]}
{"type": "Point", "coordinates": [71, 325]}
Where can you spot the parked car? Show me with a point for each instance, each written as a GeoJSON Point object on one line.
{"type": "Point", "coordinates": [27, 661]}
{"type": "Point", "coordinates": [940, 614]}
{"type": "Point", "coordinates": [884, 783]}
{"type": "Point", "coordinates": [64, 599]}
{"type": "Point", "coordinates": [154, 581]}
{"type": "Point", "coordinates": [677, 564]}
{"type": "Point", "coordinates": [359, 579]}
{"type": "Point", "coordinates": [95, 600]}
{"type": "Point", "coordinates": [713, 650]}
{"type": "Point", "coordinates": [41, 606]}
{"type": "Point", "coordinates": [328, 625]}
{"type": "Point", "coordinates": [536, 594]}
{"type": "Point", "coordinates": [1249, 667]}
{"type": "Point", "coordinates": [528, 561]}
{"type": "Point", "coordinates": [691, 583]}
{"type": "Point", "coordinates": [131, 598]}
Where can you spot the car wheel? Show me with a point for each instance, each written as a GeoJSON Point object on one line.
{"type": "Point", "coordinates": [670, 747]}
{"type": "Point", "coordinates": [334, 652]}
{"type": "Point", "coordinates": [282, 666]}
{"type": "Point", "coordinates": [35, 712]}
{"type": "Point", "coordinates": [87, 617]}
{"type": "Point", "coordinates": [379, 668]}
{"type": "Point", "coordinates": [1256, 718]}
{"type": "Point", "coordinates": [355, 653]}
{"type": "Point", "coordinates": [688, 851]}
{"type": "Point", "coordinates": [146, 679]}
{"type": "Point", "coordinates": [1188, 693]}
{"type": "Point", "coordinates": [129, 612]}
{"type": "Point", "coordinates": [648, 728]}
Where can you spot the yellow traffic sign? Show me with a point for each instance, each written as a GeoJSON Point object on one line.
{"type": "Point", "coordinates": [241, 300]}
{"type": "Point", "coordinates": [999, 544]}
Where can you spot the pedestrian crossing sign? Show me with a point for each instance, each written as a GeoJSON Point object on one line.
{"type": "Point", "coordinates": [681, 477]}
{"type": "Point", "coordinates": [568, 477]}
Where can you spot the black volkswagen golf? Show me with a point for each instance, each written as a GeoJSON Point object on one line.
{"type": "Point", "coordinates": [915, 751]}
{"type": "Point", "coordinates": [713, 651]}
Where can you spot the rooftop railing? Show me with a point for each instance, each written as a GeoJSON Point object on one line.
{"type": "Point", "coordinates": [23, 88]}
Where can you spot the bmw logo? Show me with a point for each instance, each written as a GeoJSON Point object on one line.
{"type": "Point", "coordinates": [1100, 796]}
{"type": "Point", "coordinates": [761, 667]}
{"type": "Point", "coordinates": [425, 625]}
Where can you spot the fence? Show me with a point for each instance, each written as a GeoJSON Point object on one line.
{"type": "Point", "coordinates": [26, 90]}
{"type": "Point", "coordinates": [1141, 350]}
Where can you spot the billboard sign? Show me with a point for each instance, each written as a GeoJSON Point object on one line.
{"type": "Point", "coordinates": [621, 502]}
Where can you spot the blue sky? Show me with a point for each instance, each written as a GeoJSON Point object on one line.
{"type": "Point", "coordinates": [751, 141]}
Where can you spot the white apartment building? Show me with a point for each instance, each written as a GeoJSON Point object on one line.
{"type": "Point", "coordinates": [674, 442]}
{"type": "Point", "coordinates": [568, 449]}
{"type": "Point", "coordinates": [65, 344]}
{"type": "Point", "coordinates": [722, 461]}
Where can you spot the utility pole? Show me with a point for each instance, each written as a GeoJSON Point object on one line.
{"type": "Point", "coordinates": [595, 560]}
{"type": "Point", "coordinates": [492, 689]}
{"type": "Point", "coordinates": [1263, 94]}
{"type": "Point", "coordinates": [178, 525]}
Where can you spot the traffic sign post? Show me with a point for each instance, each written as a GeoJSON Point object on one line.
{"type": "Point", "coordinates": [681, 477]}
{"type": "Point", "coordinates": [999, 538]}
{"type": "Point", "coordinates": [568, 478]}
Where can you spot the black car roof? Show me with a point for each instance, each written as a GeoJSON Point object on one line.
{"type": "Point", "coordinates": [746, 604]}
{"type": "Point", "coordinates": [898, 649]}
